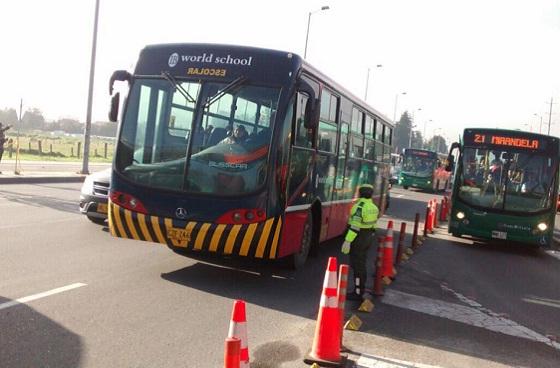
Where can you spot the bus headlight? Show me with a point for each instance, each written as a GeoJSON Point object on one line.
{"type": "Point", "coordinates": [460, 215]}
{"type": "Point", "coordinates": [542, 226]}
{"type": "Point", "coordinates": [429, 182]}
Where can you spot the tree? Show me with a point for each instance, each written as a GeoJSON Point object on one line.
{"type": "Point", "coordinates": [8, 116]}
{"type": "Point", "coordinates": [402, 132]}
{"type": "Point", "coordinates": [32, 119]}
{"type": "Point", "coordinates": [417, 140]}
{"type": "Point", "coordinates": [437, 143]}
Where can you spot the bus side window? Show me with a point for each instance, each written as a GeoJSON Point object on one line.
{"type": "Point", "coordinates": [303, 137]}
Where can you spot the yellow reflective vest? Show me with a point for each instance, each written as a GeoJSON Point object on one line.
{"type": "Point", "coordinates": [363, 215]}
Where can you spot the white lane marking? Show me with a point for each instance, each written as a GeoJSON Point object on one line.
{"type": "Point", "coordinates": [29, 298]}
{"type": "Point", "coordinates": [370, 361]}
{"type": "Point", "coordinates": [474, 314]}
{"type": "Point", "coordinates": [553, 253]}
{"type": "Point", "coordinates": [399, 196]}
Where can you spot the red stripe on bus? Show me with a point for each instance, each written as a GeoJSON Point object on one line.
{"type": "Point", "coordinates": [237, 159]}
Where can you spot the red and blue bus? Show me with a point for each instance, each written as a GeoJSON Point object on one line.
{"type": "Point", "coordinates": [240, 151]}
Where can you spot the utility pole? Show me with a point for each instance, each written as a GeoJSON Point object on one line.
{"type": "Point", "coordinates": [367, 83]}
{"type": "Point", "coordinates": [87, 130]}
{"type": "Point", "coordinates": [550, 115]}
{"type": "Point", "coordinates": [16, 167]}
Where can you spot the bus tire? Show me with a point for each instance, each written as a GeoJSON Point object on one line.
{"type": "Point", "coordinates": [405, 187]}
{"type": "Point", "coordinates": [299, 258]}
{"type": "Point", "coordinates": [96, 220]}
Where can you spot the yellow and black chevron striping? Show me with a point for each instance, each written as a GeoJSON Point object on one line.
{"type": "Point", "coordinates": [259, 240]}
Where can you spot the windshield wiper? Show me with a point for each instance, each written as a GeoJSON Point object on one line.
{"type": "Point", "coordinates": [232, 85]}
{"type": "Point", "coordinates": [174, 83]}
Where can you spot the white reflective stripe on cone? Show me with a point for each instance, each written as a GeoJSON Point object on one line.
{"type": "Point", "coordinates": [329, 301]}
{"type": "Point", "coordinates": [330, 280]}
{"type": "Point", "coordinates": [239, 330]}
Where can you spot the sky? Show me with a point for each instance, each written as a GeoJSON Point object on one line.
{"type": "Point", "coordinates": [462, 63]}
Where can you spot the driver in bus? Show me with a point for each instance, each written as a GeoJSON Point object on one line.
{"type": "Point", "coordinates": [531, 184]}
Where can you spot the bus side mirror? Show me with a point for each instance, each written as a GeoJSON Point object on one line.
{"type": "Point", "coordinates": [450, 163]}
{"type": "Point", "coordinates": [119, 75]}
{"type": "Point", "coordinates": [114, 108]}
{"type": "Point", "coordinates": [312, 107]}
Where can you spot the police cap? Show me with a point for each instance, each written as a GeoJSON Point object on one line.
{"type": "Point", "coordinates": [366, 190]}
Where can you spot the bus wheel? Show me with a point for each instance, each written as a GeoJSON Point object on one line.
{"type": "Point", "coordinates": [96, 220]}
{"type": "Point", "coordinates": [405, 186]}
{"type": "Point", "coordinates": [299, 258]}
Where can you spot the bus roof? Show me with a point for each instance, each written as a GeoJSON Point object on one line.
{"type": "Point", "coordinates": [331, 83]}
{"type": "Point", "coordinates": [274, 65]}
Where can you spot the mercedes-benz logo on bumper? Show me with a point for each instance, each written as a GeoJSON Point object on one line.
{"type": "Point", "coordinates": [181, 213]}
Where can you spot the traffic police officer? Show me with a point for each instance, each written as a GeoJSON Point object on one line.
{"type": "Point", "coordinates": [360, 236]}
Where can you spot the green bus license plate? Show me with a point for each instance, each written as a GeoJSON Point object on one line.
{"type": "Point", "coordinates": [499, 235]}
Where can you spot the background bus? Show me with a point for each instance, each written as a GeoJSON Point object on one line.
{"type": "Point", "coordinates": [506, 186]}
{"type": "Point", "coordinates": [184, 177]}
{"type": "Point", "coordinates": [423, 169]}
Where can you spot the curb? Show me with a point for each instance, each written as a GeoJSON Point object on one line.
{"type": "Point", "coordinates": [42, 179]}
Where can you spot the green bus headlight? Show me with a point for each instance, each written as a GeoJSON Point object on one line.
{"type": "Point", "coordinates": [542, 226]}
{"type": "Point", "coordinates": [460, 215]}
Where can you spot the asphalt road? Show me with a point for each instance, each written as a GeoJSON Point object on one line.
{"type": "Point", "coordinates": [137, 304]}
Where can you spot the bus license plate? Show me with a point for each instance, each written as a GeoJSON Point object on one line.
{"type": "Point", "coordinates": [499, 235]}
{"type": "Point", "coordinates": [102, 207]}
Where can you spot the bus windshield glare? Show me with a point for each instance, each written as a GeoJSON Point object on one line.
{"type": "Point", "coordinates": [166, 143]}
{"type": "Point", "coordinates": [507, 180]}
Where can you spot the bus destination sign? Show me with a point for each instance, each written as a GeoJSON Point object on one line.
{"type": "Point", "coordinates": [414, 152]}
{"type": "Point", "coordinates": [501, 140]}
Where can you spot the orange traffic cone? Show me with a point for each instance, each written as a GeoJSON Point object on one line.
{"type": "Point", "coordinates": [231, 353]}
{"type": "Point", "coordinates": [388, 268]}
{"type": "Point", "coordinates": [238, 329]}
{"type": "Point", "coordinates": [326, 344]}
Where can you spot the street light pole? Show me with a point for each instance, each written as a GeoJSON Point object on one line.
{"type": "Point", "coordinates": [367, 80]}
{"type": "Point", "coordinates": [308, 24]}
{"type": "Point", "coordinates": [87, 131]}
{"type": "Point", "coordinates": [396, 103]}
{"type": "Point", "coordinates": [424, 133]}
{"type": "Point", "coordinates": [550, 115]}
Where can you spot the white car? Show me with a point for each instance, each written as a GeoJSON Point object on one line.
{"type": "Point", "coordinates": [94, 196]}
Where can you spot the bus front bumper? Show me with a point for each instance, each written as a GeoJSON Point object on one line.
{"type": "Point", "coordinates": [500, 229]}
{"type": "Point", "coordinates": [415, 182]}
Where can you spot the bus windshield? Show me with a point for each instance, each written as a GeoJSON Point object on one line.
{"type": "Point", "coordinates": [418, 165]}
{"type": "Point", "coordinates": [222, 149]}
{"type": "Point", "coordinates": [506, 180]}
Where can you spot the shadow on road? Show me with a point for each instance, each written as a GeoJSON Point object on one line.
{"type": "Point", "coordinates": [271, 284]}
{"type": "Point", "coordinates": [29, 339]}
{"type": "Point", "coordinates": [58, 204]}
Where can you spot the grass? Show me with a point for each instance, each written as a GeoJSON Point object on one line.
{"type": "Point", "coordinates": [42, 146]}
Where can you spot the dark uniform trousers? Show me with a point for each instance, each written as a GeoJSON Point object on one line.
{"type": "Point", "coordinates": [358, 254]}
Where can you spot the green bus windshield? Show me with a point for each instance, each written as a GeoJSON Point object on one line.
{"type": "Point", "coordinates": [514, 181]}
{"type": "Point", "coordinates": [418, 165]}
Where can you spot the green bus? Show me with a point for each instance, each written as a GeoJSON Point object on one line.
{"type": "Point", "coordinates": [423, 169]}
{"type": "Point", "coordinates": [506, 185]}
